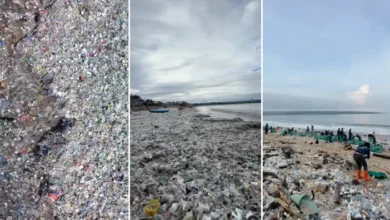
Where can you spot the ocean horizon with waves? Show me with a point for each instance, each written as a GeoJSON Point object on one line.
{"type": "Point", "coordinates": [247, 111]}
{"type": "Point", "coordinates": [359, 121]}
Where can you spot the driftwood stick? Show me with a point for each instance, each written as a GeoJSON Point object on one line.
{"type": "Point", "coordinates": [337, 197]}
{"type": "Point", "coordinates": [289, 210]}
{"type": "Point", "coordinates": [287, 142]}
{"type": "Point", "coordinates": [271, 155]}
{"type": "Point", "coordinates": [381, 156]}
{"type": "Point", "coordinates": [284, 196]}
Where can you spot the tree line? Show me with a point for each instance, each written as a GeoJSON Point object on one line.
{"type": "Point", "coordinates": [137, 100]}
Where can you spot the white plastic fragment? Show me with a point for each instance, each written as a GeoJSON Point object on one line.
{"type": "Point", "coordinates": [174, 207]}
{"type": "Point", "coordinates": [238, 214]}
{"type": "Point", "coordinates": [189, 216]}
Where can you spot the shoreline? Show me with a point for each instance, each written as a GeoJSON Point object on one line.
{"type": "Point", "coordinates": [194, 165]}
{"type": "Point", "coordinates": [381, 138]}
{"type": "Point", "coordinates": [249, 116]}
{"type": "Point", "coordinates": [356, 128]}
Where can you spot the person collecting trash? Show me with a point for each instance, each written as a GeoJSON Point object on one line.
{"type": "Point", "coordinates": [360, 155]}
{"type": "Point", "coordinates": [342, 134]}
{"type": "Point", "coordinates": [350, 134]}
{"type": "Point", "coordinates": [359, 137]}
{"type": "Point", "coordinates": [266, 128]}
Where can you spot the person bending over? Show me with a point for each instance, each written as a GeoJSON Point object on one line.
{"type": "Point", "coordinates": [360, 155]}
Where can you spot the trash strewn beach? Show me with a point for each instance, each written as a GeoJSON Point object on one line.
{"type": "Point", "coordinates": [325, 174]}
{"type": "Point", "coordinates": [197, 167]}
{"type": "Point", "coordinates": [63, 109]}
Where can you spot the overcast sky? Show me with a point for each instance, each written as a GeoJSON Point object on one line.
{"type": "Point", "coordinates": [326, 54]}
{"type": "Point", "coordinates": [195, 50]}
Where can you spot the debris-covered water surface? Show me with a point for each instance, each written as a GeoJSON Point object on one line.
{"type": "Point", "coordinates": [318, 181]}
{"type": "Point", "coordinates": [196, 167]}
{"type": "Point", "coordinates": [63, 109]}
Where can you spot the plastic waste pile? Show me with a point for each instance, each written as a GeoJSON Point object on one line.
{"type": "Point", "coordinates": [302, 174]}
{"type": "Point", "coordinates": [195, 167]}
{"type": "Point", "coordinates": [63, 109]}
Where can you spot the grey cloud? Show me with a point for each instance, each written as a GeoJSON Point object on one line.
{"type": "Point", "coordinates": [166, 89]}
{"type": "Point", "coordinates": [195, 50]}
{"type": "Point", "coordinates": [290, 102]}
{"type": "Point", "coordinates": [186, 63]}
{"type": "Point", "coordinates": [274, 101]}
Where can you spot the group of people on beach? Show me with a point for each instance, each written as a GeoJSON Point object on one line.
{"type": "Point", "coordinates": [268, 129]}
{"type": "Point", "coordinates": [341, 135]}
{"type": "Point", "coordinates": [361, 153]}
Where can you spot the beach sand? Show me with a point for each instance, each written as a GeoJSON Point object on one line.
{"type": "Point", "coordinates": [312, 166]}
{"type": "Point", "coordinates": [194, 165]}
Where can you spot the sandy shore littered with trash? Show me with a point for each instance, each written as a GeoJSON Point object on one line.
{"type": "Point", "coordinates": [295, 165]}
{"type": "Point", "coordinates": [196, 167]}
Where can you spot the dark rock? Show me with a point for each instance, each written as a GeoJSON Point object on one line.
{"type": "Point", "coordinates": [317, 166]}
{"type": "Point", "coordinates": [325, 161]}
{"type": "Point", "coordinates": [254, 208]}
{"type": "Point", "coordinates": [297, 184]}
{"type": "Point", "coordinates": [287, 152]}
{"type": "Point", "coordinates": [349, 163]}
{"type": "Point", "coordinates": [48, 78]}
{"type": "Point", "coordinates": [282, 165]}
{"type": "Point", "coordinates": [355, 182]}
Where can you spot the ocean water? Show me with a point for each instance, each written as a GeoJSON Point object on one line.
{"type": "Point", "coordinates": [362, 123]}
{"type": "Point", "coordinates": [248, 112]}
